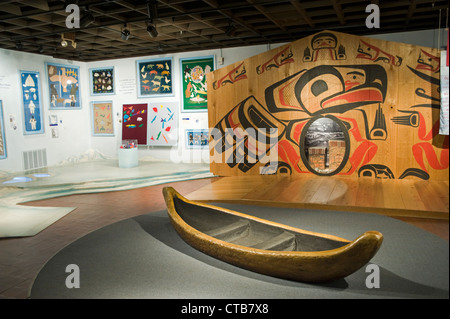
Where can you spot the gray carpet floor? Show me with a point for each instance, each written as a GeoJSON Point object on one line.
{"type": "Point", "coordinates": [143, 257]}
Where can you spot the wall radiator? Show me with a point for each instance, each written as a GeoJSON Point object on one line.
{"type": "Point", "coordinates": [34, 159]}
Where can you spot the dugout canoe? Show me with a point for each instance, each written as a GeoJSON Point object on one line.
{"type": "Point", "coordinates": [267, 247]}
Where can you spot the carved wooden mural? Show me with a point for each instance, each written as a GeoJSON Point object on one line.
{"type": "Point", "coordinates": [330, 104]}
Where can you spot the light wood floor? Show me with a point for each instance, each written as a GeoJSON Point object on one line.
{"type": "Point", "coordinates": [22, 258]}
{"type": "Point", "coordinates": [408, 198]}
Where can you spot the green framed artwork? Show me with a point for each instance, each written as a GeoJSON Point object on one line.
{"type": "Point", "coordinates": [195, 92]}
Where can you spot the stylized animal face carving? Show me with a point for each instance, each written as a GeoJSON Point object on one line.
{"type": "Point", "coordinates": [328, 89]}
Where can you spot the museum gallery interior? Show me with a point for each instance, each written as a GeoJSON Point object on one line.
{"type": "Point", "coordinates": [212, 149]}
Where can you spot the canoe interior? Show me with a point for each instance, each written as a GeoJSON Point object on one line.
{"type": "Point", "coordinates": [247, 232]}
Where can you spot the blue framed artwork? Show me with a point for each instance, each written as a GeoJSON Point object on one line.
{"type": "Point", "coordinates": [193, 83]}
{"type": "Point", "coordinates": [155, 77]}
{"type": "Point", "coordinates": [2, 134]}
{"type": "Point", "coordinates": [32, 103]}
{"type": "Point", "coordinates": [196, 138]}
{"type": "Point", "coordinates": [102, 81]}
{"type": "Point", "coordinates": [64, 86]}
{"type": "Point", "coordinates": [102, 118]}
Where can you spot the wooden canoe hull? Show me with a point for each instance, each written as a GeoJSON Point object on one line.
{"type": "Point", "coordinates": [304, 266]}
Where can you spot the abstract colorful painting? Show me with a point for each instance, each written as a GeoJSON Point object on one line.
{"type": "Point", "coordinates": [155, 77]}
{"type": "Point", "coordinates": [31, 102]}
{"type": "Point", "coordinates": [64, 86]}
{"type": "Point", "coordinates": [197, 138]}
{"type": "Point", "coordinates": [163, 124]}
{"type": "Point", "coordinates": [134, 123]}
{"type": "Point", "coordinates": [194, 87]}
{"type": "Point", "coordinates": [102, 118]}
{"type": "Point", "coordinates": [102, 81]}
{"type": "Point", "coordinates": [2, 134]}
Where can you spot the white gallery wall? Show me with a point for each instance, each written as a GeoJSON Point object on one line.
{"type": "Point", "coordinates": [75, 138]}
{"type": "Point", "coordinates": [75, 131]}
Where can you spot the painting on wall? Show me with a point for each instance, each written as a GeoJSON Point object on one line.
{"type": "Point", "coordinates": [102, 81]}
{"type": "Point", "coordinates": [102, 118]}
{"type": "Point", "coordinates": [163, 124]}
{"type": "Point", "coordinates": [134, 123]}
{"type": "Point", "coordinates": [31, 102]}
{"type": "Point", "coordinates": [155, 77]}
{"type": "Point", "coordinates": [64, 86]}
{"type": "Point", "coordinates": [2, 134]}
{"type": "Point", "coordinates": [331, 104]}
{"type": "Point", "coordinates": [194, 86]}
{"type": "Point", "coordinates": [53, 120]}
{"type": "Point", "coordinates": [196, 138]}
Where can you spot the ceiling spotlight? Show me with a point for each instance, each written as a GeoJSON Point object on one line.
{"type": "Point", "coordinates": [125, 33]}
{"type": "Point", "coordinates": [41, 49]}
{"type": "Point", "coordinates": [152, 11]}
{"type": "Point", "coordinates": [87, 19]}
{"type": "Point", "coordinates": [19, 45]}
{"type": "Point", "coordinates": [152, 31]}
{"type": "Point", "coordinates": [231, 30]}
{"type": "Point", "coordinates": [69, 36]}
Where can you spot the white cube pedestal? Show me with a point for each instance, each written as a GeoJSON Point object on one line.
{"type": "Point", "coordinates": [128, 157]}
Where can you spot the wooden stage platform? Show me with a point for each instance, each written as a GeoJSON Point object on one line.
{"type": "Point", "coordinates": [391, 197]}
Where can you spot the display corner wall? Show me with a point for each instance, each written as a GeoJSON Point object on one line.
{"type": "Point", "coordinates": [340, 104]}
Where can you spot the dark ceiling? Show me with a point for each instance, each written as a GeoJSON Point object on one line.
{"type": "Point", "coordinates": [190, 25]}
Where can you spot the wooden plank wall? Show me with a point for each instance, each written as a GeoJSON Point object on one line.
{"type": "Point", "coordinates": [383, 95]}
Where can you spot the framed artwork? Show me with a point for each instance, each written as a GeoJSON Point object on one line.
{"type": "Point", "coordinates": [55, 131]}
{"type": "Point", "coordinates": [196, 138]}
{"type": "Point", "coordinates": [102, 81]}
{"type": "Point", "coordinates": [194, 88]}
{"type": "Point", "coordinates": [53, 120]}
{"type": "Point", "coordinates": [102, 118]}
{"type": "Point", "coordinates": [2, 134]}
{"type": "Point", "coordinates": [31, 102]}
{"type": "Point", "coordinates": [155, 77]}
{"type": "Point", "coordinates": [163, 124]}
{"type": "Point", "coordinates": [64, 86]}
{"type": "Point", "coordinates": [134, 123]}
